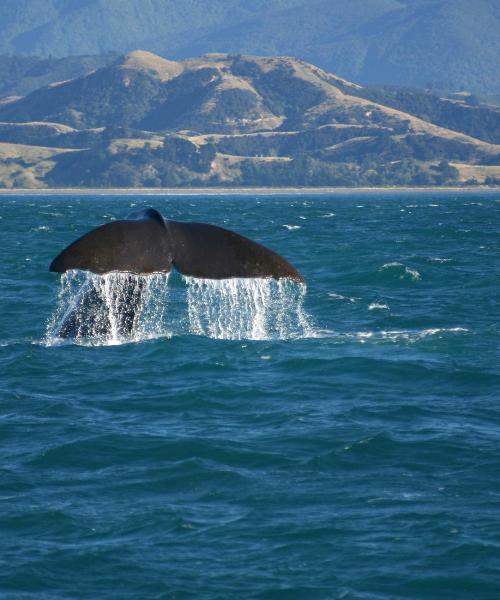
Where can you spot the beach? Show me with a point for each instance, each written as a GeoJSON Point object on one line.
{"type": "Point", "coordinates": [243, 191]}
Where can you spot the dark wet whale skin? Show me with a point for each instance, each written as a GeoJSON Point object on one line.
{"type": "Point", "coordinates": [145, 242]}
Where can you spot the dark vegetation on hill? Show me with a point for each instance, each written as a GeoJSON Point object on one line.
{"type": "Point", "coordinates": [442, 44]}
{"type": "Point", "coordinates": [222, 120]}
{"type": "Point", "coordinates": [466, 114]}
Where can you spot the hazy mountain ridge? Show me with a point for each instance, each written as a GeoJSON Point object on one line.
{"type": "Point", "coordinates": [20, 75]}
{"type": "Point", "coordinates": [420, 43]}
{"type": "Point", "coordinates": [239, 120]}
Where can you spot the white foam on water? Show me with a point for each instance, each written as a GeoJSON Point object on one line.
{"type": "Point", "coordinates": [389, 336]}
{"type": "Point", "coordinates": [409, 336]}
{"type": "Point", "coordinates": [438, 259]}
{"type": "Point", "coordinates": [402, 271]}
{"type": "Point", "coordinates": [239, 308]}
{"type": "Point", "coordinates": [336, 296]}
{"type": "Point", "coordinates": [378, 306]}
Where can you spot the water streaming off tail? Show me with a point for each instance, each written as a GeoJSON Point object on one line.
{"type": "Point", "coordinates": [110, 308]}
{"type": "Point", "coordinates": [122, 307]}
{"type": "Point", "coordinates": [246, 308]}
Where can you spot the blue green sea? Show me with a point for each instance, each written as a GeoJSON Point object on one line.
{"type": "Point", "coordinates": [335, 442]}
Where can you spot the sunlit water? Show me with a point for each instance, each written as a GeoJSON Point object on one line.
{"type": "Point", "coordinates": [254, 438]}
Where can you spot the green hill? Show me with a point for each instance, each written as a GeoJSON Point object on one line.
{"type": "Point", "coordinates": [240, 120]}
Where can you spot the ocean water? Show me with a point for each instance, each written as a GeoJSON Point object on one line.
{"type": "Point", "coordinates": [255, 440]}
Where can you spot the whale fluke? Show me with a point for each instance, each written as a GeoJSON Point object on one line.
{"type": "Point", "coordinates": [145, 243]}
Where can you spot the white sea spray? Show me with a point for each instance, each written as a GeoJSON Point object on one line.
{"type": "Point", "coordinates": [101, 320]}
{"type": "Point", "coordinates": [93, 306]}
{"type": "Point", "coordinates": [378, 306]}
{"type": "Point", "coordinates": [241, 308]}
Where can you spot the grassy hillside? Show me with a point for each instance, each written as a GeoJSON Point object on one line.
{"type": "Point", "coordinates": [443, 44]}
{"type": "Point", "coordinates": [241, 120]}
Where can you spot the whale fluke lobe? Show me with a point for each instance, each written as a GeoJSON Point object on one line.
{"type": "Point", "coordinates": [145, 243]}
{"type": "Point", "coordinates": [211, 252]}
{"type": "Point", "coordinates": [138, 245]}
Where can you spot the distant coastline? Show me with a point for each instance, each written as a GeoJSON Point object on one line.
{"type": "Point", "coordinates": [240, 191]}
{"type": "Point", "coordinates": [249, 122]}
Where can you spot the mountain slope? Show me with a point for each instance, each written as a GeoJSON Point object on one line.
{"type": "Point", "coordinates": [66, 27]}
{"type": "Point", "coordinates": [441, 44]}
{"type": "Point", "coordinates": [423, 43]}
{"type": "Point", "coordinates": [20, 75]}
{"type": "Point", "coordinates": [240, 120]}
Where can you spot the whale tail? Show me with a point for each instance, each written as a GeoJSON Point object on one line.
{"type": "Point", "coordinates": [147, 243]}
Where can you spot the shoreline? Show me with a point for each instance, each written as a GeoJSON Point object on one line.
{"type": "Point", "coordinates": [235, 191]}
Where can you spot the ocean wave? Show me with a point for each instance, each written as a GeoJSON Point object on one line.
{"type": "Point", "coordinates": [336, 296]}
{"type": "Point", "coordinates": [439, 260]}
{"type": "Point", "coordinates": [21, 341]}
{"type": "Point", "coordinates": [405, 335]}
{"type": "Point", "coordinates": [382, 336]}
{"type": "Point", "coordinates": [400, 271]}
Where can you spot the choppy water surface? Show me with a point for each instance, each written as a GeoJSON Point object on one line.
{"type": "Point", "coordinates": [256, 439]}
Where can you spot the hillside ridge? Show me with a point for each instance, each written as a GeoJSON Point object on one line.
{"type": "Point", "coordinates": [222, 119]}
